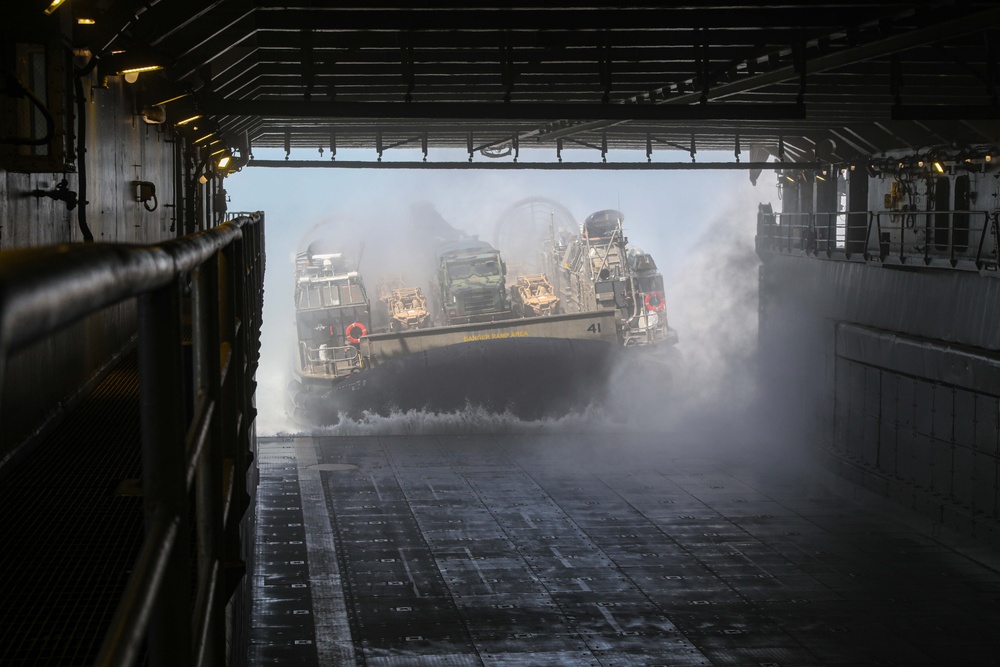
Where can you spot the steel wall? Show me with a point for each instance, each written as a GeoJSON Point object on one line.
{"type": "Point", "coordinates": [895, 375]}
{"type": "Point", "coordinates": [121, 149]}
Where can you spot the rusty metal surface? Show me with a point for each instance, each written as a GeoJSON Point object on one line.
{"type": "Point", "coordinates": [585, 550]}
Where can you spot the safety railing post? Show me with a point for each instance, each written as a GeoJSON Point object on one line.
{"type": "Point", "coordinates": [163, 467]}
{"type": "Point", "coordinates": [982, 238]}
{"type": "Point", "coordinates": [209, 648]}
{"type": "Point", "coordinates": [232, 447]}
{"type": "Point", "coordinates": [241, 266]}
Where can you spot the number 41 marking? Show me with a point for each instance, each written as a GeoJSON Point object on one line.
{"type": "Point", "coordinates": [594, 328]}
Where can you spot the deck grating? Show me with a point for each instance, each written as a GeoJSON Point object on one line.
{"type": "Point", "coordinates": [71, 535]}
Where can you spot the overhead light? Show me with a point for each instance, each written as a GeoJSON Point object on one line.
{"type": "Point", "coordinates": [920, 163]}
{"type": "Point", "coordinates": [221, 150]}
{"type": "Point", "coordinates": [224, 162]}
{"type": "Point", "coordinates": [131, 77]}
{"type": "Point", "coordinates": [203, 179]}
{"type": "Point", "coordinates": [988, 157]}
{"type": "Point", "coordinates": [187, 120]}
{"type": "Point", "coordinates": [83, 21]}
{"type": "Point", "coordinates": [938, 167]}
{"type": "Point", "coordinates": [54, 6]}
{"type": "Point", "coordinates": [821, 177]}
{"type": "Point", "coordinates": [141, 68]}
{"type": "Point", "coordinates": [132, 61]}
{"type": "Point", "coordinates": [201, 139]}
{"type": "Point", "coordinates": [172, 99]}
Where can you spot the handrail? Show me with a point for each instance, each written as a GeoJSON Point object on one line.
{"type": "Point", "coordinates": [45, 289]}
{"type": "Point", "coordinates": [121, 644]}
{"type": "Point", "coordinates": [220, 271]}
{"type": "Point", "coordinates": [908, 237]}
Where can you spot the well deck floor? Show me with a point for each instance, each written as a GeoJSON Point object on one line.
{"type": "Point", "coordinates": [535, 550]}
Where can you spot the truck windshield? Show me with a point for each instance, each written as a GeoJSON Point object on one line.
{"type": "Point", "coordinates": [486, 268]}
{"type": "Point", "coordinates": [482, 268]}
{"type": "Point", "coordinates": [459, 271]}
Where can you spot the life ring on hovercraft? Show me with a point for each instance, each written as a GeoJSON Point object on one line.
{"type": "Point", "coordinates": [654, 301]}
{"type": "Point", "coordinates": [354, 340]}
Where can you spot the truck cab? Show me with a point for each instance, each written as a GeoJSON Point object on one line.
{"type": "Point", "coordinates": [471, 281]}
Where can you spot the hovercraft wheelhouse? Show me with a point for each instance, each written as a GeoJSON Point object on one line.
{"type": "Point", "coordinates": [332, 313]}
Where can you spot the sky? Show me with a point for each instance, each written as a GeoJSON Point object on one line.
{"type": "Point", "coordinates": [690, 221]}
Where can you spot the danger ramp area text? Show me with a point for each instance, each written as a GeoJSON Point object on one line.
{"type": "Point", "coordinates": [495, 336]}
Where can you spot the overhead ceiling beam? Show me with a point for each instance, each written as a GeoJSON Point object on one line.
{"type": "Point", "coordinates": [930, 34]}
{"type": "Point", "coordinates": [525, 41]}
{"type": "Point", "coordinates": [502, 111]}
{"type": "Point", "coordinates": [946, 112]}
{"type": "Point", "coordinates": [562, 166]}
{"type": "Point", "coordinates": [893, 44]}
{"type": "Point", "coordinates": [282, 17]}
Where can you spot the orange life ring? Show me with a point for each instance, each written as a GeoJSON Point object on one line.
{"type": "Point", "coordinates": [351, 327]}
{"type": "Point", "coordinates": [654, 301]}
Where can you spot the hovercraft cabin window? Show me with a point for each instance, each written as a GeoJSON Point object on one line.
{"type": "Point", "coordinates": [351, 293]}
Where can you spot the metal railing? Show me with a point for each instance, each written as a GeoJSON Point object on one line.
{"type": "Point", "coordinates": [936, 238]}
{"type": "Point", "coordinates": [196, 439]}
{"type": "Point", "coordinates": [331, 360]}
{"type": "Point", "coordinates": [955, 239]}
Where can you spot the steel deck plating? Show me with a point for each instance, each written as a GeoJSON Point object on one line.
{"type": "Point", "coordinates": [579, 550]}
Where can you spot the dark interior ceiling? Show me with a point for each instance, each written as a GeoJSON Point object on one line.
{"type": "Point", "coordinates": [823, 80]}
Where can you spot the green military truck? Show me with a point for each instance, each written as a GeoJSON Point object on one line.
{"type": "Point", "coordinates": [471, 283]}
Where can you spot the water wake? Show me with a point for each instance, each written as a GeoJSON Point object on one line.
{"type": "Point", "coordinates": [472, 419]}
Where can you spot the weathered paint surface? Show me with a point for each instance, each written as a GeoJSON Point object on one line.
{"type": "Point", "coordinates": [121, 149]}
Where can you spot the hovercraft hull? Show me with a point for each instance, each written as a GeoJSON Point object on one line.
{"type": "Point", "coordinates": [530, 378]}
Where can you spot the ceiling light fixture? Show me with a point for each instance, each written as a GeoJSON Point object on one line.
{"type": "Point", "coordinates": [172, 99]}
{"type": "Point", "coordinates": [140, 69]}
{"type": "Point", "coordinates": [54, 6]}
{"type": "Point", "coordinates": [187, 120]}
